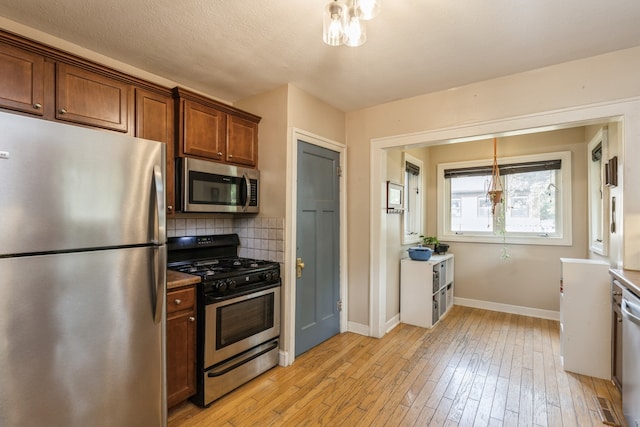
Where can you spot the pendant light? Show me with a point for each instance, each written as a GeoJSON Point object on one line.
{"type": "Point", "coordinates": [342, 22]}
{"type": "Point", "coordinates": [366, 9]}
{"type": "Point", "coordinates": [334, 23]}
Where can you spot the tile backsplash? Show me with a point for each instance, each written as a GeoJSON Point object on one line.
{"type": "Point", "coordinates": [260, 238]}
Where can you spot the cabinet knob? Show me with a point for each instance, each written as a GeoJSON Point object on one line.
{"type": "Point", "coordinates": [37, 106]}
{"type": "Point", "coordinates": [62, 111]}
{"type": "Point", "coordinates": [231, 156]}
{"type": "Point", "coordinates": [219, 153]}
{"type": "Point", "coordinates": [192, 319]}
{"type": "Point", "coordinates": [178, 301]}
{"type": "Point", "coordinates": [169, 208]}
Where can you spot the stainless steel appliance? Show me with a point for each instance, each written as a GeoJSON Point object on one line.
{"type": "Point", "coordinates": [82, 282]}
{"type": "Point", "coordinates": [239, 317]}
{"type": "Point", "coordinates": [630, 308]}
{"type": "Point", "coordinates": [216, 187]}
{"type": "Point", "coordinates": [616, 333]}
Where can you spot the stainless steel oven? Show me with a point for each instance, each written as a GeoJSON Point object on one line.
{"type": "Point", "coordinates": [238, 322]}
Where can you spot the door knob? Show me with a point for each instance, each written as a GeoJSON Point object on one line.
{"type": "Point", "coordinates": [299, 267]}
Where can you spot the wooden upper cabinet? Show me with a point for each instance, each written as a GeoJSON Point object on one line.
{"type": "Point", "coordinates": [21, 80]}
{"type": "Point", "coordinates": [154, 120]}
{"type": "Point", "coordinates": [92, 99]}
{"type": "Point", "coordinates": [242, 141]}
{"type": "Point", "coordinates": [203, 132]}
{"type": "Point", "coordinates": [215, 131]}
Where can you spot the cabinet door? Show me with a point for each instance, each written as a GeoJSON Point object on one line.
{"type": "Point", "coordinates": [154, 120]}
{"type": "Point", "coordinates": [91, 99]}
{"type": "Point", "coordinates": [203, 131]}
{"type": "Point", "coordinates": [181, 350]}
{"type": "Point", "coordinates": [21, 80]}
{"type": "Point", "coordinates": [242, 141]}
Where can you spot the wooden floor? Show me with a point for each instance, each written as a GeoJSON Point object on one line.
{"type": "Point", "coordinates": [476, 367]}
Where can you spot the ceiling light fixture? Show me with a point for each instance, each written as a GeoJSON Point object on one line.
{"type": "Point", "coordinates": [342, 23]}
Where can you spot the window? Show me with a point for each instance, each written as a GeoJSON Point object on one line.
{"type": "Point", "coordinates": [413, 219]}
{"type": "Point", "coordinates": [537, 200]}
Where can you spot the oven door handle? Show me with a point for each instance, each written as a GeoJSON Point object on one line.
{"type": "Point", "coordinates": [627, 307]}
{"type": "Point", "coordinates": [241, 362]}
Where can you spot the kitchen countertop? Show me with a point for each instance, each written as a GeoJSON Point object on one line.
{"type": "Point", "coordinates": [629, 278]}
{"type": "Point", "coordinates": [175, 279]}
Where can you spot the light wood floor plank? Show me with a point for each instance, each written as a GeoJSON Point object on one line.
{"type": "Point", "coordinates": [476, 367]}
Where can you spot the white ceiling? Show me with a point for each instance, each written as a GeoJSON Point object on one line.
{"type": "Point", "coordinates": [232, 49]}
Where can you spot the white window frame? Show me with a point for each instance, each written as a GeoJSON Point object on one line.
{"type": "Point", "coordinates": [563, 236]}
{"type": "Point", "coordinates": [413, 236]}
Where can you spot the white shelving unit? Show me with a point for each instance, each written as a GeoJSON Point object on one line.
{"type": "Point", "coordinates": [426, 290]}
{"type": "Point", "coordinates": [585, 317]}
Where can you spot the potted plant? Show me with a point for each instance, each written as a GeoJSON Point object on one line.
{"type": "Point", "coordinates": [430, 241]}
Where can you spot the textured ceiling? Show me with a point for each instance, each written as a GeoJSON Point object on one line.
{"type": "Point", "coordinates": [232, 49]}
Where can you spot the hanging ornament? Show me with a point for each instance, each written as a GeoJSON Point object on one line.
{"type": "Point", "coordinates": [495, 185]}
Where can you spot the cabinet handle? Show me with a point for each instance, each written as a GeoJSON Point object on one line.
{"type": "Point", "coordinates": [37, 106]}
{"type": "Point", "coordinates": [178, 301]}
{"type": "Point", "coordinates": [219, 153]}
{"type": "Point", "coordinates": [62, 111]}
{"type": "Point", "coordinates": [192, 319]}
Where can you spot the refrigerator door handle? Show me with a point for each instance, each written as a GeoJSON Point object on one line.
{"type": "Point", "coordinates": [160, 265]}
{"type": "Point", "coordinates": [160, 237]}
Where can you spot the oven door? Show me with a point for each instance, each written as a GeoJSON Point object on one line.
{"type": "Point", "coordinates": [238, 324]}
{"type": "Point", "coordinates": [216, 187]}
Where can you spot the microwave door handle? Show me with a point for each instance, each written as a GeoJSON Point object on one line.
{"type": "Point", "coordinates": [248, 184]}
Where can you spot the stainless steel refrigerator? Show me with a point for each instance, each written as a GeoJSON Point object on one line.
{"type": "Point", "coordinates": [82, 276]}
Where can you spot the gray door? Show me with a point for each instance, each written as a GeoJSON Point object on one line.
{"type": "Point", "coordinates": [318, 246]}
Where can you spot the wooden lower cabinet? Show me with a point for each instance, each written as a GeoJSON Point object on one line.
{"type": "Point", "coordinates": [181, 344]}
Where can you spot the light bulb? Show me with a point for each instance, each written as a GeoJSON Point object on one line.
{"type": "Point", "coordinates": [366, 9]}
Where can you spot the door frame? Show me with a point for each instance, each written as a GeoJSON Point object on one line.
{"type": "Point", "coordinates": [287, 354]}
{"type": "Point", "coordinates": [625, 110]}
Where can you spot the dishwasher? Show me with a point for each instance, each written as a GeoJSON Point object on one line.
{"type": "Point", "coordinates": [630, 308]}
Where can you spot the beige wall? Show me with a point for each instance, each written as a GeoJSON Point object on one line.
{"type": "Point", "coordinates": [593, 80]}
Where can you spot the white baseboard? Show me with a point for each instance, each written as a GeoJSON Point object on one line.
{"type": "Point", "coordinates": [283, 358]}
{"type": "Point", "coordinates": [395, 321]}
{"type": "Point", "coordinates": [358, 328]}
{"type": "Point", "coordinates": [507, 308]}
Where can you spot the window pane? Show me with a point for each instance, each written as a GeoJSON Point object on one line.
{"type": "Point", "coordinates": [531, 202]}
{"type": "Point", "coordinates": [470, 209]}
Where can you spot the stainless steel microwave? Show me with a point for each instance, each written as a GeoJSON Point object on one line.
{"type": "Point", "coordinates": [216, 187]}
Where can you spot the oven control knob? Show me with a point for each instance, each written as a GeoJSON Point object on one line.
{"type": "Point", "coordinates": [268, 276]}
{"type": "Point", "coordinates": [221, 286]}
{"type": "Point", "coordinates": [231, 284]}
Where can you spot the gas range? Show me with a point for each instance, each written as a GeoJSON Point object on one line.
{"type": "Point", "coordinates": [224, 274]}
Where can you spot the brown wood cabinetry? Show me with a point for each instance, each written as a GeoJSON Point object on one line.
{"type": "Point", "coordinates": [21, 80]}
{"type": "Point", "coordinates": [92, 99]}
{"type": "Point", "coordinates": [203, 130]}
{"type": "Point", "coordinates": [154, 120]}
{"type": "Point", "coordinates": [181, 344]}
{"type": "Point", "coordinates": [242, 141]}
{"type": "Point", "coordinates": [215, 131]}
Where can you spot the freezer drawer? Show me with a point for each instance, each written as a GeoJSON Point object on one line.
{"type": "Point", "coordinates": [79, 345]}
